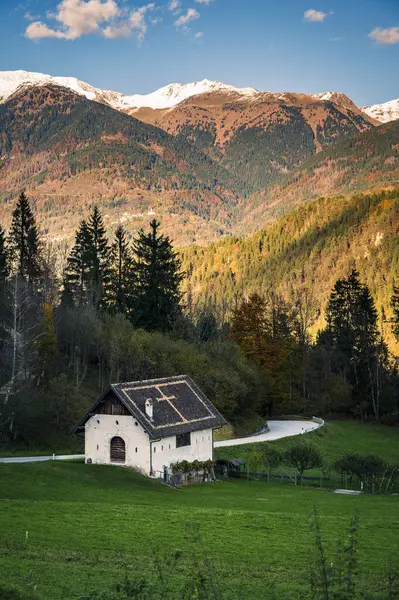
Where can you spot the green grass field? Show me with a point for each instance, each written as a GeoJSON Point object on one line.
{"type": "Point", "coordinates": [332, 441]}
{"type": "Point", "coordinates": [90, 525]}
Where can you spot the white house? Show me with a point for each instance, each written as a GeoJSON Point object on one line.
{"type": "Point", "coordinates": [148, 425]}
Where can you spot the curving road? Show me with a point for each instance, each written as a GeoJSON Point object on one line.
{"type": "Point", "coordinates": [278, 430]}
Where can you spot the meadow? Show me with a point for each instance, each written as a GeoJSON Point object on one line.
{"type": "Point", "coordinates": [81, 528]}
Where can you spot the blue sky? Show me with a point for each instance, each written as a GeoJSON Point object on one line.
{"type": "Point", "coordinates": [278, 45]}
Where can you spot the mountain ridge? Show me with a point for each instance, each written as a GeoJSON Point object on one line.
{"type": "Point", "coordinates": [173, 94]}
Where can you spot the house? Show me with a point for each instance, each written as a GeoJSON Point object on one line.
{"type": "Point", "coordinates": [148, 425]}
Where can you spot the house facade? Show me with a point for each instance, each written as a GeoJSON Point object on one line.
{"type": "Point", "coordinates": [148, 425]}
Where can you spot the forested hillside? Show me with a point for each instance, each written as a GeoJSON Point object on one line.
{"type": "Point", "coordinates": [313, 246]}
{"type": "Point", "coordinates": [260, 138]}
{"type": "Point", "coordinates": [70, 152]}
{"type": "Point", "coordinates": [366, 162]}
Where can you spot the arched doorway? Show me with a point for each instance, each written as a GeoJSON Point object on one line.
{"type": "Point", "coordinates": [118, 450]}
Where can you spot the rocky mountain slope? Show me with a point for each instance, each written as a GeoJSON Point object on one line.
{"type": "Point", "coordinates": [263, 136]}
{"type": "Point", "coordinates": [206, 158]}
{"type": "Point", "coordinates": [69, 152]}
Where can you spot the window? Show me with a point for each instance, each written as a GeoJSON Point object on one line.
{"type": "Point", "coordinates": [161, 448]}
{"type": "Point", "coordinates": [117, 422]}
{"type": "Point", "coordinates": [183, 439]}
{"type": "Point", "coordinates": [135, 449]}
{"type": "Point", "coordinates": [136, 423]}
{"type": "Point", "coordinates": [155, 449]}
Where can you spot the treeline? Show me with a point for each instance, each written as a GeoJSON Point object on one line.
{"type": "Point", "coordinates": [347, 370]}
{"type": "Point", "coordinates": [115, 312]}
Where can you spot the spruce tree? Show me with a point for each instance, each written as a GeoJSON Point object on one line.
{"type": "Point", "coordinates": [158, 276]}
{"type": "Point", "coordinates": [99, 255]}
{"type": "Point", "coordinates": [76, 276]}
{"type": "Point", "coordinates": [352, 327]}
{"type": "Point", "coordinates": [122, 274]}
{"type": "Point", "coordinates": [87, 276]}
{"type": "Point", "coordinates": [24, 244]}
{"type": "Point", "coordinates": [4, 267]}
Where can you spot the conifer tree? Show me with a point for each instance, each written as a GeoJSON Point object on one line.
{"type": "Point", "coordinates": [76, 277]}
{"type": "Point", "coordinates": [352, 327]}
{"type": "Point", "coordinates": [99, 255]}
{"type": "Point", "coordinates": [24, 243]}
{"type": "Point", "coordinates": [87, 276]}
{"type": "Point", "coordinates": [122, 274]}
{"type": "Point", "coordinates": [157, 292]}
{"type": "Point", "coordinates": [4, 267]}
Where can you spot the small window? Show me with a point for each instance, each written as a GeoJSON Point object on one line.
{"type": "Point", "coordinates": [169, 446]}
{"type": "Point", "coordinates": [98, 421]}
{"type": "Point", "coordinates": [117, 422]}
{"type": "Point", "coordinates": [183, 439]}
{"type": "Point", "coordinates": [136, 423]}
{"type": "Point", "coordinates": [155, 449]}
{"type": "Point", "coordinates": [135, 449]}
{"type": "Point", "coordinates": [161, 448]}
{"type": "Point", "coordinates": [97, 447]}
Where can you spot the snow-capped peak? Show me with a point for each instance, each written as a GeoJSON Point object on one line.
{"type": "Point", "coordinates": [389, 111]}
{"type": "Point", "coordinates": [174, 93]}
{"type": "Point", "coordinates": [165, 97]}
{"type": "Point", "coordinates": [10, 81]}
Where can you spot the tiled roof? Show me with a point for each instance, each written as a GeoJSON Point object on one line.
{"type": "Point", "coordinates": [179, 406]}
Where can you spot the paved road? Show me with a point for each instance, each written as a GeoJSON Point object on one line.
{"type": "Point", "coordinates": [278, 429]}
{"type": "Point", "coordinates": [26, 459]}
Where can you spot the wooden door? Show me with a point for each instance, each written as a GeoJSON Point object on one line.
{"type": "Point", "coordinates": [118, 450]}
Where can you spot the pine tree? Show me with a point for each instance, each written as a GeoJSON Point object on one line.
{"type": "Point", "coordinates": [157, 293]}
{"type": "Point", "coordinates": [24, 243]}
{"type": "Point", "coordinates": [122, 274]}
{"type": "Point", "coordinates": [99, 255]}
{"type": "Point", "coordinates": [4, 267]}
{"type": "Point", "coordinates": [87, 276]}
{"type": "Point", "coordinates": [352, 326]}
{"type": "Point", "coordinates": [76, 276]}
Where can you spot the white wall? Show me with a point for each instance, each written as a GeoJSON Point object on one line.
{"type": "Point", "coordinates": [165, 452]}
{"type": "Point", "coordinates": [100, 429]}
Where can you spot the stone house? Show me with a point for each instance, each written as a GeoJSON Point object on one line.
{"type": "Point", "coordinates": [148, 425]}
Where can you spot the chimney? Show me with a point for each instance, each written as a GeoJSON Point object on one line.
{"type": "Point", "coordinates": [149, 408]}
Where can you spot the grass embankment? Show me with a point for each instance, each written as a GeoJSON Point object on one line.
{"type": "Point", "coordinates": [332, 441]}
{"type": "Point", "coordinates": [90, 525]}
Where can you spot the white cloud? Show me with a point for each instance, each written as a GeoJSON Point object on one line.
{"type": "Point", "coordinates": [334, 39]}
{"type": "Point", "coordinates": [190, 15]}
{"type": "Point", "coordinates": [385, 36]}
{"type": "Point", "coordinates": [315, 16]}
{"type": "Point", "coordinates": [199, 35]}
{"type": "Point", "coordinates": [81, 17]}
{"type": "Point", "coordinates": [203, 1]}
{"type": "Point", "coordinates": [174, 6]}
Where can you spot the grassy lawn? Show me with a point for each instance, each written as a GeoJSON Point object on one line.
{"type": "Point", "coordinates": [332, 441]}
{"type": "Point", "coordinates": [88, 525]}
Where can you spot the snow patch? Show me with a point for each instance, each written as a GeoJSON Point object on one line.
{"type": "Point", "coordinates": [389, 111]}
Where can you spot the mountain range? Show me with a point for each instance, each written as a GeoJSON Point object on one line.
{"type": "Point", "coordinates": [175, 93]}
{"type": "Point", "coordinates": [206, 158]}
